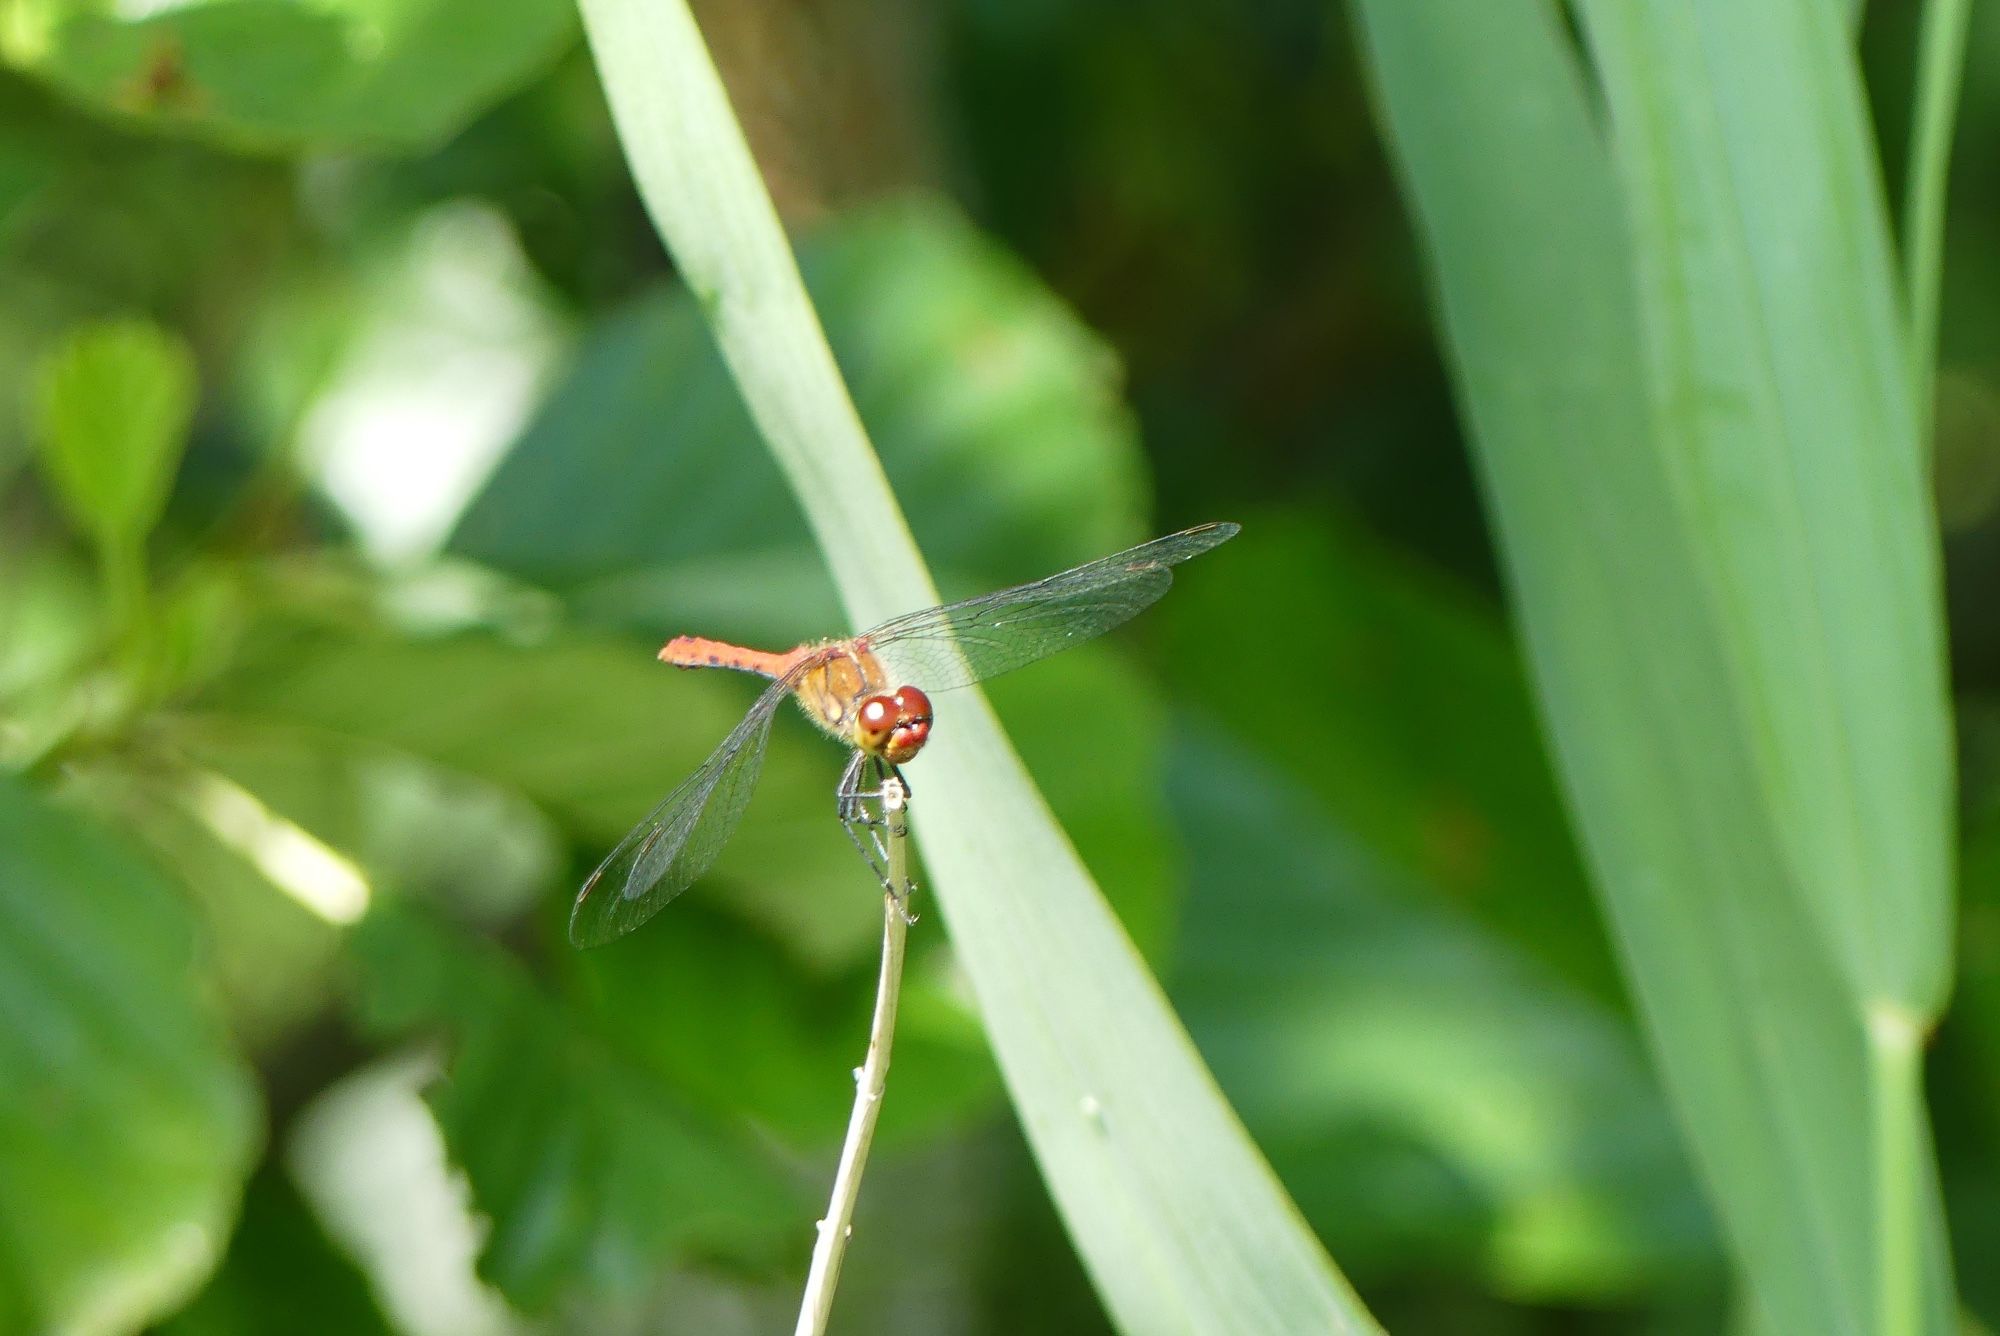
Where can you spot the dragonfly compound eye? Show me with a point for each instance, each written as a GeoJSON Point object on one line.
{"type": "Point", "coordinates": [912, 726]}
{"type": "Point", "coordinates": [874, 722]}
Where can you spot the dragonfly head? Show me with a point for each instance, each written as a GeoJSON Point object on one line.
{"type": "Point", "coordinates": [893, 727]}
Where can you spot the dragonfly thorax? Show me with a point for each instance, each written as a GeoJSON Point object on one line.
{"type": "Point", "coordinates": [843, 689]}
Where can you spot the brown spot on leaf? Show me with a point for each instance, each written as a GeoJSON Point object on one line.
{"type": "Point", "coordinates": [162, 83]}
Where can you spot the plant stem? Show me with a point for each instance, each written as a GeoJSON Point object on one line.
{"type": "Point", "coordinates": [122, 561]}
{"type": "Point", "coordinates": [1895, 1067]}
{"type": "Point", "coordinates": [134, 647]}
{"type": "Point", "coordinates": [869, 1081]}
{"type": "Point", "coordinates": [1940, 70]}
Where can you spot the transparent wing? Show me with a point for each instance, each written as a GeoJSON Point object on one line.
{"type": "Point", "coordinates": [941, 648]}
{"type": "Point", "coordinates": [681, 838]}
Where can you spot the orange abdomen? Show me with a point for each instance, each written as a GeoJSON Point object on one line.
{"type": "Point", "coordinates": [701, 652]}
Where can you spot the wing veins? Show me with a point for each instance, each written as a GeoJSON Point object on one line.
{"type": "Point", "coordinates": [650, 856]}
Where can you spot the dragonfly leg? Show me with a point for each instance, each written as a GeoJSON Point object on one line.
{"type": "Point", "coordinates": [848, 796]}
{"type": "Point", "coordinates": [865, 782]}
{"type": "Point", "coordinates": [866, 777]}
{"type": "Point", "coordinates": [860, 784]}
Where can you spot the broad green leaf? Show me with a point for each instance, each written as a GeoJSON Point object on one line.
{"type": "Point", "coordinates": [369, 1159]}
{"type": "Point", "coordinates": [1175, 1213]}
{"type": "Point", "coordinates": [1418, 735]}
{"type": "Point", "coordinates": [285, 835]}
{"type": "Point", "coordinates": [410, 828]}
{"type": "Point", "coordinates": [594, 731]}
{"type": "Point", "coordinates": [284, 74]}
{"type": "Point", "coordinates": [1658, 693]}
{"type": "Point", "coordinates": [112, 416]}
{"type": "Point", "coordinates": [1093, 731]}
{"type": "Point", "coordinates": [127, 1123]}
{"type": "Point", "coordinates": [1437, 1099]}
{"type": "Point", "coordinates": [589, 1167]}
{"type": "Point", "coordinates": [997, 414]}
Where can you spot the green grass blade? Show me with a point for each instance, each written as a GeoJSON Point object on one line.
{"type": "Point", "coordinates": [1940, 72]}
{"type": "Point", "coordinates": [1747, 887]}
{"type": "Point", "coordinates": [1784, 408]}
{"type": "Point", "coordinates": [1177, 1216]}
{"type": "Point", "coordinates": [1777, 372]}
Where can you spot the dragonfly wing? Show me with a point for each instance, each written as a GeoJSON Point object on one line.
{"type": "Point", "coordinates": [681, 838]}
{"type": "Point", "coordinates": [960, 643]}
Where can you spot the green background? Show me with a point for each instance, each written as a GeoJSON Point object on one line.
{"type": "Point", "coordinates": [1092, 273]}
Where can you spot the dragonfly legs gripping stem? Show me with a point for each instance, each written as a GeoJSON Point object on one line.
{"type": "Point", "coordinates": [865, 782]}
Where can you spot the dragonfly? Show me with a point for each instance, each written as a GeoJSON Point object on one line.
{"type": "Point", "coordinates": [871, 692]}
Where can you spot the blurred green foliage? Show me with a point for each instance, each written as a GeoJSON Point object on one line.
{"type": "Point", "coordinates": [294, 804]}
{"type": "Point", "coordinates": [115, 405]}
{"type": "Point", "coordinates": [130, 1122]}
{"type": "Point", "coordinates": [271, 75]}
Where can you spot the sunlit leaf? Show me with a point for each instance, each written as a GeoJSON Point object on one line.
{"type": "Point", "coordinates": [282, 73]}
{"type": "Point", "coordinates": [112, 415]}
{"type": "Point", "coordinates": [410, 827]}
{"type": "Point", "coordinates": [589, 1167]}
{"type": "Point", "coordinates": [284, 836]}
{"type": "Point", "coordinates": [272, 956]}
{"type": "Point", "coordinates": [369, 1159]}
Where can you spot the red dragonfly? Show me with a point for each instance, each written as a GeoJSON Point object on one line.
{"type": "Point", "coordinates": [863, 691]}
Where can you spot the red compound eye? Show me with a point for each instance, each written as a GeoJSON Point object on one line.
{"type": "Point", "coordinates": [913, 725]}
{"type": "Point", "coordinates": [874, 722]}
